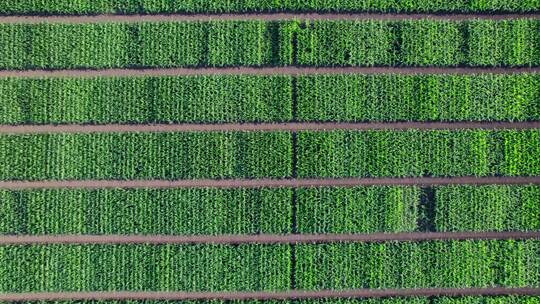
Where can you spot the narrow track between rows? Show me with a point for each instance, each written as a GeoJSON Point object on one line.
{"type": "Point", "coordinates": [263, 238]}
{"type": "Point", "coordinates": [263, 70]}
{"type": "Point", "coordinates": [287, 126]}
{"type": "Point", "coordinates": [260, 16]}
{"type": "Point", "coordinates": [268, 183]}
{"type": "Point", "coordinates": [265, 295]}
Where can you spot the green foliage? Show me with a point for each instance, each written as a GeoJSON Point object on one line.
{"type": "Point", "coordinates": [216, 98]}
{"type": "Point", "coordinates": [144, 267]}
{"type": "Point", "coordinates": [379, 153]}
{"type": "Point", "coordinates": [58, 45]}
{"type": "Point", "coordinates": [416, 6]}
{"type": "Point", "coordinates": [368, 209]}
{"type": "Point", "coordinates": [264, 43]}
{"type": "Point", "coordinates": [504, 43]}
{"type": "Point", "coordinates": [357, 210]}
{"type": "Point", "coordinates": [247, 98]}
{"type": "Point", "coordinates": [77, 7]}
{"type": "Point", "coordinates": [492, 207]}
{"type": "Point", "coordinates": [427, 43]}
{"type": "Point", "coordinates": [361, 209]}
{"type": "Point", "coordinates": [444, 264]}
{"type": "Point", "coordinates": [146, 211]}
{"type": "Point", "coordinates": [167, 155]}
{"type": "Point", "coordinates": [210, 43]}
{"type": "Point", "coordinates": [365, 43]}
{"type": "Point", "coordinates": [224, 155]}
{"type": "Point", "coordinates": [357, 97]}
{"type": "Point", "coordinates": [146, 44]}
{"type": "Point", "coordinates": [419, 43]}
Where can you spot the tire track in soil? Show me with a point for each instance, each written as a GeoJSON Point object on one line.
{"type": "Point", "coordinates": [287, 126]}
{"type": "Point", "coordinates": [264, 238]}
{"type": "Point", "coordinates": [267, 183]}
{"type": "Point", "coordinates": [266, 295]}
{"type": "Point", "coordinates": [263, 70]}
{"type": "Point", "coordinates": [103, 18]}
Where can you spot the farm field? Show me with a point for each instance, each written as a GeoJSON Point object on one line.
{"type": "Point", "coordinates": [435, 97]}
{"type": "Point", "coordinates": [267, 267]}
{"type": "Point", "coordinates": [248, 98]}
{"type": "Point", "coordinates": [377, 153]}
{"type": "Point", "coordinates": [203, 211]}
{"type": "Point", "coordinates": [218, 98]}
{"type": "Point", "coordinates": [168, 155]}
{"type": "Point", "coordinates": [270, 152]}
{"type": "Point", "coordinates": [263, 43]}
{"type": "Point", "coordinates": [62, 7]}
{"type": "Point", "coordinates": [418, 153]}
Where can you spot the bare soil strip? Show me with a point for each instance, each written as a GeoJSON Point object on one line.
{"type": "Point", "coordinates": [266, 295]}
{"type": "Point", "coordinates": [262, 238]}
{"type": "Point", "coordinates": [267, 183]}
{"type": "Point", "coordinates": [287, 70]}
{"type": "Point", "coordinates": [291, 126]}
{"type": "Point", "coordinates": [257, 16]}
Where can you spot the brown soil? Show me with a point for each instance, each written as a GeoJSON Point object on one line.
{"type": "Point", "coordinates": [266, 295]}
{"type": "Point", "coordinates": [289, 70]}
{"type": "Point", "coordinates": [74, 128]}
{"type": "Point", "coordinates": [257, 16]}
{"type": "Point", "coordinates": [262, 238]}
{"type": "Point", "coordinates": [268, 183]}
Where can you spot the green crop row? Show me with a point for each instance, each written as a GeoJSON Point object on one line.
{"type": "Point", "coordinates": [80, 7]}
{"type": "Point", "coordinates": [418, 97]}
{"type": "Point", "coordinates": [216, 98]}
{"type": "Point", "coordinates": [144, 267]}
{"type": "Point", "coordinates": [401, 209]}
{"type": "Point", "coordinates": [262, 43]}
{"type": "Point", "coordinates": [188, 155]}
{"type": "Point", "coordinates": [358, 209]}
{"type": "Point", "coordinates": [169, 155]}
{"type": "Point", "coordinates": [363, 209]}
{"type": "Point", "coordinates": [457, 264]}
{"type": "Point", "coordinates": [495, 207]}
{"type": "Point", "coordinates": [247, 98]}
{"type": "Point", "coordinates": [380, 153]}
{"type": "Point", "coordinates": [451, 264]}
{"type": "Point", "coordinates": [146, 211]}
{"type": "Point", "coordinates": [149, 44]}
{"type": "Point", "coordinates": [420, 42]}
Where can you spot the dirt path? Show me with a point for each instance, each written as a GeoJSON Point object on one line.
{"type": "Point", "coordinates": [288, 70]}
{"type": "Point", "coordinates": [262, 238]}
{"type": "Point", "coordinates": [267, 183]}
{"type": "Point", "coordinates": [258, 16]}
{"type": "Point", "coordinates": [262, 295]}
{"type": "Point", "coordinates": [314, 126]}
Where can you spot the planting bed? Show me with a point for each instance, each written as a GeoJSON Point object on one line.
{"type": "Point", "coordinates": [289, 152]}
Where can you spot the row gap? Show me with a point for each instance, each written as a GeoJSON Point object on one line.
{"type": "Point", "coordinates": [426, 210]}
